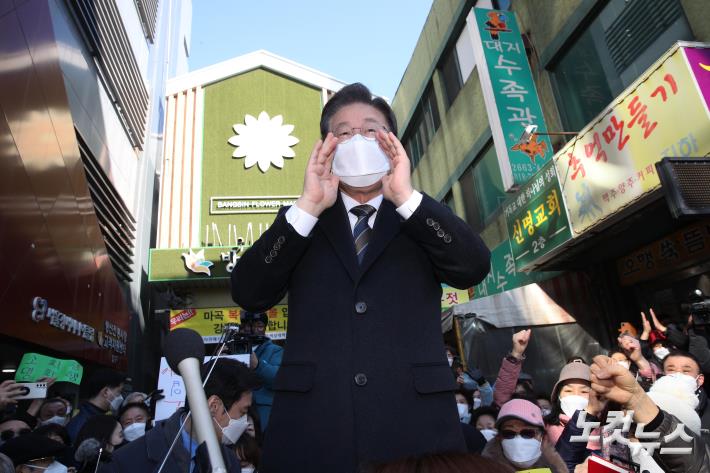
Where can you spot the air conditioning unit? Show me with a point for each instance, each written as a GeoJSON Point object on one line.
{"type": "Point", "coordinates": [686, 184]}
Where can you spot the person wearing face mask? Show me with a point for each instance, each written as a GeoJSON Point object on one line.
{"type": "Point", "coordinates": [134, 418]}
{"type": "Point", "coordinates": [569, 395]}
{"type": "Point", "coordinates": [520, 443]}
{"type": "Point", "coordinates": [684, 369]}
{"type": "Point", "coordinates": [358, 235]}
{"type": "Point", "coordinates": [53, 411]}
{"type": "Point", "coordinates": [484, 420]}
{"type": "Point", "coordinates": [34, 453]}
{"type": "Point", "coordinates": [102, 391]}
{"type": "Point", "coordinates": [229, 395]}
{"type": "Point", "coordinates": [265, 360]}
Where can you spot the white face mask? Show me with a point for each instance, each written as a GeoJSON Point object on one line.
{"type": "Point", "coordinates": [464, 415]}
{"type": "Point", "coordinates": [360, 161]}
{"type": "Point", "coordinates": [685, 380]}
{"type": "Point", "coordinates": [59, 420]}
{"type": "Point", "coordinates": [661, 353]}
{"type": "Point", "coordinates": [450, 359]}
{"type": "Point", "coordinates": [488, 433]}
{"type": "Point", "coordinates": [573, 403]}
{"type": "Point", "coordinates": [521, 452]}
{"type": "Point", "coordinates": [625, 364]}
{"type": "Point", "coordinates": [234, 429]}
{"type": "Point", "coordinates": [476, 402]}
{"type": "Point", "coordinates": [134, 431]}
{"type": "Point", "coordinates": [116, 403]}
{"type": "Point", "coordinates": [545, 412]}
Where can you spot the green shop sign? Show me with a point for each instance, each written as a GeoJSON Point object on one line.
{"type": "Point", "coordinates": [504, 276]}
{"type": "Point", "coordinates": [537, 218]}
{"type": "Point", "coordinates": [181, 264]}
{"type": "Point", "coordinates": [510, 95]}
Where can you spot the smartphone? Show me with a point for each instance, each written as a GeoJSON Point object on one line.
{"type": "Point", "coordinates": [33, 391]}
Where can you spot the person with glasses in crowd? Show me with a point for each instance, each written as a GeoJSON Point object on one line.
{"type": "Point", "coordinates": [362, 255]}
{"type": "Point", "coordinates": [520, 443]}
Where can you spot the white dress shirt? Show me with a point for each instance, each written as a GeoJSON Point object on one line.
{"type": "Point", "coordinates": [303, 222]}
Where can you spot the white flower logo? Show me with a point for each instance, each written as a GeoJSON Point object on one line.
{"type": "Point", "coordinates": [264, 141]}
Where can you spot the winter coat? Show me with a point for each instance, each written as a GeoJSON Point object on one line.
{"type": "Point", "coordinates": [549, 458]}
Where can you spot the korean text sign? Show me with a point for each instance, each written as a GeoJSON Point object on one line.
{"type": "Point", "coordinates": [610, 164]}
{"type": "Point", "coordinates": [510, 95]}
{"type": "Point", "coordinates": [210, 322]}
{"type": "Point", "coordinates": [503, 275]}
{"type": "Point", "coordinates": [450, 296]}
{"type": "Point", "coordinates": [536, 218]}
{"type": "Point", "coordinates": [34, 366]}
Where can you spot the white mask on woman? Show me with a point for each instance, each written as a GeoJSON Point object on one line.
{"type": "Point", "coordinates": [476, 402]}
{"type": "Point", "coordinates": [360, 161]}
{"type": "Point", "coordinates": [464, 415]}
{"type": "Point", "coordinates": [488, 433]}
{"type": "Point", "coordinates": [522, 452]}
{"type": "Point", "coordinates": [573, 403]}
{"type": "Point", "coordinates": [661, 353]}
{"type": "Point", "coordinates": [59, 420]}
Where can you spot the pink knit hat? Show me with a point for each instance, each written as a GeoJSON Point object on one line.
{"type": "Point", "coordinates": [520, 409]}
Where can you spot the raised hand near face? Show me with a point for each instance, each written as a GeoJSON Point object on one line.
{"type": "Point", "coordinates": [397, 184]}
{"type": "Point", "coordinates": [320, 185]}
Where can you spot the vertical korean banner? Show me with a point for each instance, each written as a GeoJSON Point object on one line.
{"type": "Point", "coordinates": [610, 164]}
{"type": "Point", "coordinates": [510, 95]}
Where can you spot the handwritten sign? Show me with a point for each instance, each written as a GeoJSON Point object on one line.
{"type": "Point", "coordinates": [34, 366]}
{"type": "Point", "coordinates": [450, 296]}
{"type": "Point", "coordinates": [610, 164]}
{"type": "Point", "coordinates": [173, 387]}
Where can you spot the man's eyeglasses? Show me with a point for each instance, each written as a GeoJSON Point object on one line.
{"type": "Point", "coordinates": [344, 133]}
{"type": "Point", "coordinates": [525, 433]}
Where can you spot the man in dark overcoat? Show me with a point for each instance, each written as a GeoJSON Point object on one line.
{"type": "Point", "coordinates": [363, 377]}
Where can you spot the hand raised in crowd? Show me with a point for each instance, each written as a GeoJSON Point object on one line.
{"type": "Point", "coordinates": [613, 382]}
{"type": "Point", "coordinates": [659, 326]}
{"type": "Point", "coordinates": [646, 327]}
{"type": "Point", "coordinates": [397, 184]}
{"type": "Point", "coordinates": [632, 348]}
{"type": "Point", "coordinates": [33, 409]}
{"type": "Point", "coordinates": [520, 342]}
{"type": "Point", "coordinates": [9, 390]}
{"type": "Point", "coordinates": [320, 185]}
{"type": "Point", "coordinates": [596, 404]}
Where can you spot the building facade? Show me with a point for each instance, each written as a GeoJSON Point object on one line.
{"type": "Point", "coordinates": [83, 105]}
{"type": "Point", "coordinates": [570, 235]}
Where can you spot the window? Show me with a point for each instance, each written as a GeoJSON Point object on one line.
{"type": "Point", "coordinates": [482, 189]}
{"type": "Point", "coordinates": [423, 126]}
{"type": "Point", "coordinates": [451, 75]}
{"type": "Point", "coordinates": [619, 44]}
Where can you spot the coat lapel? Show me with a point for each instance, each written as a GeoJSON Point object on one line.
{"type": "Point", "coordinates": [336, 226]}
{"type": "Point", "coordinates": [385, 229]}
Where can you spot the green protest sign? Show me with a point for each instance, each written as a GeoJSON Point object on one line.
{"type": "Point", "coordinates": [34, 366]}
{"type": "Point", "coordinates": [537, 218]}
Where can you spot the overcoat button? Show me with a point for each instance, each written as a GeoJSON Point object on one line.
{"type": "Point", "coordinates": [436, 226]}
{"type": "Point", "coordinates": [440, 233]}
{"type": "Point", "coordinates": [430, 221]}
{"type": "Point", "coordinates": [268, 260]}
{"type": "Point", "coordinates": [281, 240]}
{"type": "Point", "coordinates": [273, 253]}
{"type": "Point", "coordinates": [360, 379]}
{"type": "Point", "coordinates": [447, 238]}
{"type": "Point", "coordinates": [360, 307]}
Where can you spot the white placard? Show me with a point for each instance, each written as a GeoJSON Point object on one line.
{"type": "Point", "coordinates": [174, 388]}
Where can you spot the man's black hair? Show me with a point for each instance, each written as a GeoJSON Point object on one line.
{"type": "Point", "coordinates": [350, 94]}
{"type": "Point", "coordinates": [100, 379]}
{"type": "Point", "coordinates": [483, 411]}
{"type": "Point", "coordinates": [685, 354]}
{"type": "Point", "coordinates": [467, 394]}
{"type": "Point", "coordinates": [229, 380]}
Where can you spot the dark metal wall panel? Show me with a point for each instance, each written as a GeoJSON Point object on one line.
{"type": "Point", "coordinates": [50, 240]}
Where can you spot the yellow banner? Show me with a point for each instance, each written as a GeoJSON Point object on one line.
{"type": "Point", "coordinates": [210, 322]}
{"type": "Point", "coordinates": [611, 162]}
{"type": "Point", "coordinates": [451, 296]}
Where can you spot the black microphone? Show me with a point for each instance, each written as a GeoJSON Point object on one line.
{"type": "Point", "coordinates": [185, 352]}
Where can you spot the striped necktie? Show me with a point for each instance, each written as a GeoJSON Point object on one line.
{"type": "Point", "coordinates": [362, 230]}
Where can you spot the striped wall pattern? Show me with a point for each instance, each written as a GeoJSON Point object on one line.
{"type": "Point", "coordinates": [148, 10]}
{"type": "Point", "coordinates": [180, 178]}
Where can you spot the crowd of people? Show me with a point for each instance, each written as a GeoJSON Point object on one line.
{"type": "Point", "coordinates": [642, 406]}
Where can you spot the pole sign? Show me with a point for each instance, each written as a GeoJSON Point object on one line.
{"type": "Point", "coordinates": [510, 95]}
{"type": "Point", "coordinates": [536, 218]}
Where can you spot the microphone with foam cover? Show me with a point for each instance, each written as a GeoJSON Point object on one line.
{"type": "Point", "coordinates": [185, 352]}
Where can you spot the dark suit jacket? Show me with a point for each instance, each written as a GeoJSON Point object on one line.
{"type": "Point", "coordinates": [364, 377]}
